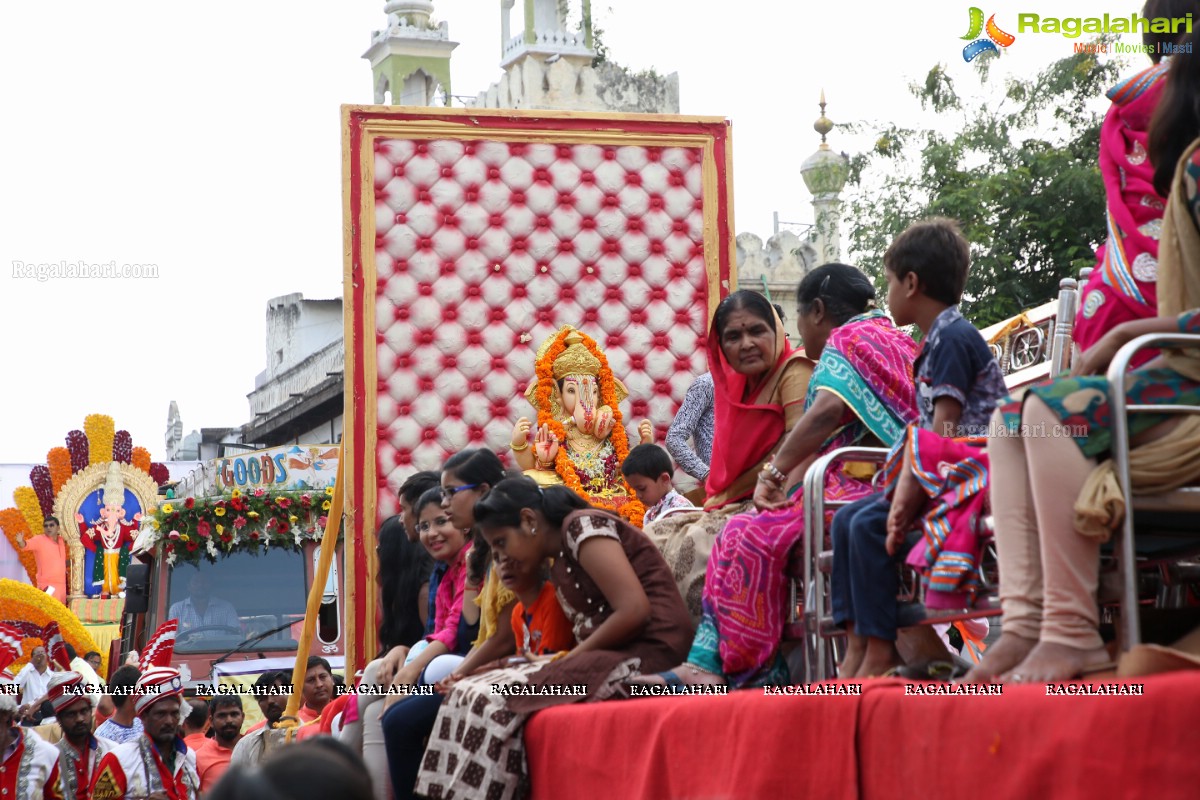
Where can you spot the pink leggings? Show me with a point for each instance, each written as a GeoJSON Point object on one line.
{"type": "Point", "coordinates": [1048, 572]}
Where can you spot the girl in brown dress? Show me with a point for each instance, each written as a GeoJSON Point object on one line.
{"type": "Point", "coordinates": [621, 599]}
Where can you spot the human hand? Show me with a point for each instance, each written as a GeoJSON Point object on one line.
{"type": "Point", "coordinates": [646, 431]}
{"type": "Point", "coordinates": [390, 664]}
{"type": "Point", "coordinates": [1095, 360]}
{"type": "Point", "coordinates": [78, 517]}
{"type": "Point", "coordinates": [446, 684]}
{"type": "Point", "coordinates": [769, 496]}
{"type": "Point", "coordinates": [520, 434]}
{"type": "Point", "coordinates": [545, 447]}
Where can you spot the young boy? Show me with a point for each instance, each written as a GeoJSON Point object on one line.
{"type": "Point", "coordinates": [958, 385]}
{"type": "Point", "coordinates": [647, 470]}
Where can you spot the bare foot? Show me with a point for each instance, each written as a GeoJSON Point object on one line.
{"type": "Point", "coordinates": [1050, 662]}
{"type": "Point", "coordinates": [881, 656]}
{"type": "Point", "coordinates": [688, 674]}
{"type": "Point", "coordinates": [920, 644]}
{"type": "Point", "coordinates": [856, 651]}
{"type": "Point", "coordinates": [998, 659]}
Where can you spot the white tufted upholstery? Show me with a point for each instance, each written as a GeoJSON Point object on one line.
{"type": "Point", "coordinates": [484, 248]}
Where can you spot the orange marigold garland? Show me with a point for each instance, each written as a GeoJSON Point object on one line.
{"type": "Point", "coordinates": [633, 510]}
{"type": "Point", "coordinates": [141, 459]}
{"type": "Point", "coordinates": [31, 610]}
{"type": "Point", "coordinates": [59, 462]}
{"type": "Point", "coordinates": [13, 523]}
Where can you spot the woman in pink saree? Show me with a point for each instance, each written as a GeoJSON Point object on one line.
{"type": "Point", "coordinates": [1123, 287]}
{"type": "Point", "coordinates": [861, 392]}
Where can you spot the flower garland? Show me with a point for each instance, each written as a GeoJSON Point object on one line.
{"type": "Point", "coordinates": [59, 462]}
{"type": "Point", "coordinates": [30, 610]}
{"type": "Point", "coordinates": [27, 503]}
{"type": "Point", "coordinates": [122, 447]}
{"type": "Point", "coordinates": [633, 510]}
{"type": "Point", "coordinates": [99, 429]}
{"type": "Point", "coordinates": [77, 446]}
{"type": "Point", "coordinates": [43, 487]}
{"type": "Point", "coordinates": [205, 527]}
{"type": "Point", "coordinates": [140, 458]}
{"type": "Point", "coordinates": [13, 523]}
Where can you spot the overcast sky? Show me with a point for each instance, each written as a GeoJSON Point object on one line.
{"type": "Point", "coordinates": [203, 138]}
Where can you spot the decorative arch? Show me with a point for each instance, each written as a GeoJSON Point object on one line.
{"type": "Point", "coordinates": [71, 496]}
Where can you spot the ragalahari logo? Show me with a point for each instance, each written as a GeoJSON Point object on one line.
{"type": "Point", "coordinates": [995, 36]}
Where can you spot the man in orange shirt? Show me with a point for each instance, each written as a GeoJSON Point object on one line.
{"type": "Point", "coordinates": [226, 717]}
{"type": "Point", "coordinates": [50, 552]}
{"type": "Point", "coordinates": [192, 727]}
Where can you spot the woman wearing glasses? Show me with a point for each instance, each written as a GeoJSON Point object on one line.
{"type": "Point", "coordinates": [407, 721]}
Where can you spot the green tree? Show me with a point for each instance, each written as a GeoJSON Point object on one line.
{"type": "Point", "coordinates": [1019, 173]}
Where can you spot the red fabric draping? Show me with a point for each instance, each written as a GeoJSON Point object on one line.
{"type": "Point", "coordinates": [882, 745]}
{"type": "Point", "coordinates": [742, 745]}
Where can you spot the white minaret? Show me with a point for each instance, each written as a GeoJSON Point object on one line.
{"type": "Point", "coordinates": [825, 174]}
{"type": "Point", "coordinates": [410, 59]}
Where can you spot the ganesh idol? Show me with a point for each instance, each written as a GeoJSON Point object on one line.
{"type": "Point", "coordinates": [579, 439]}
{"type": "Point", "coordinates": [110, 536]}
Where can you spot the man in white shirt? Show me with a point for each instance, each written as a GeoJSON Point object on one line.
{"type": "Point", "coordinates": [34, 679]}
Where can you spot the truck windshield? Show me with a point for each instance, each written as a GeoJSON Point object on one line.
{"type": "Point", "coordinates": [240, 596]}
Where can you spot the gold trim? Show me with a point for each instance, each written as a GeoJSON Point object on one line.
{"type": "Point", "coordinates": [71, 496]}
{"type": "Point", "coordinates": [471, 125]}
{"type": "Point", "coordinates": [473, 116]}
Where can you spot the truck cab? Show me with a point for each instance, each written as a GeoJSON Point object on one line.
{"type": "Point", "coordinates": [245, 606]}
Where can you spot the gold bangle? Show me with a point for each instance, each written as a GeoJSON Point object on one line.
{"type": "Point", "coordinates": [516, 449]}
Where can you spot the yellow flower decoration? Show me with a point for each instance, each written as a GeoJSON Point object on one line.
{"type": "Point", "coordinates": [325, 506]}
{"type": "Point", "coordinates": [27, 502]}
{"type": "Point", "coordinates": [19, 601]}
{"type": "Point", "coordinates": [220, 529]}
{"type": "Point", "coordinates": [293, 519]}
{"type": "Point", "coordinates": [252, 514]}
{"type": "Point", "coordinates": [329, 491]}
{"type": "Point", "coordinates": [154, 522]}
{"type": "Point", "coordinates": [219, 511]}
{"type": "Point", "coordinates": [237, 493]}
{"type": "Point", "coordinates": [167, 508]}
{"type": "Point", "coordinates": [100, 430]}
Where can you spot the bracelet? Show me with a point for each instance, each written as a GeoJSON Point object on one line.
{"type": "Point", "coordinates": [773, 472]}
{"type": "Point", "coordinates": [768, 479]}
{"type": "Point", "coordinates": [516, 449]}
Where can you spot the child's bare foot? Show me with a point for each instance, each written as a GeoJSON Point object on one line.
{"type": "Point", "coordinates": [685, 674]}
{"type": "Point", "coordinates": [998, 659]}
{"type": "Point", "coordinates": [1050, 661]}
{"type": "Point", "coordinates": [880, 657]}
{"type": "Point", "coordinates": [856, 650]}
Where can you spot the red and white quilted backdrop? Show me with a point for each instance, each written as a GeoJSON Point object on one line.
{"type": "Point", "coordinates": [492, 231]}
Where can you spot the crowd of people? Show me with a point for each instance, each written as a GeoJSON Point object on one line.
{"type": "Point", "coordinates": [490, 579]}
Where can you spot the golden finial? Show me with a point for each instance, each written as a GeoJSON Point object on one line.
{"type": "Point", "coordinates": [824, 124]}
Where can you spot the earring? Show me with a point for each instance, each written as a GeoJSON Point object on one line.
{"type": "Point", "coordinates": [533, 530]}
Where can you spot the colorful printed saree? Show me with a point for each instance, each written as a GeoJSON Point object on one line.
{"type": "Point", "coordinates": [867, 363]}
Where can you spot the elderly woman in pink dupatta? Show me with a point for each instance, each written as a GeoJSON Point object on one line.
{"type": "Point", "coordinates": [1123, 287]}
{"type": "Point", "coordinates": [861, 392]}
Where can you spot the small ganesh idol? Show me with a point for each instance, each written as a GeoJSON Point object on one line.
{"type": "Point", "coordinates": [580, 440]}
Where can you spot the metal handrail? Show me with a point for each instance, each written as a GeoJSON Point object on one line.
{"type": "Point", "coordinates": [1131, 629]}
{"type": "Point", "coordinates": [814, 540]}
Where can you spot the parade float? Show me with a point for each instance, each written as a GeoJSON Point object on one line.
{"type": "Point", "coordinates": [244, 541]}
{"type": "Point", "coordinates": [99, 486]}
{"type": "Point", "coordinates": [472, 238]}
